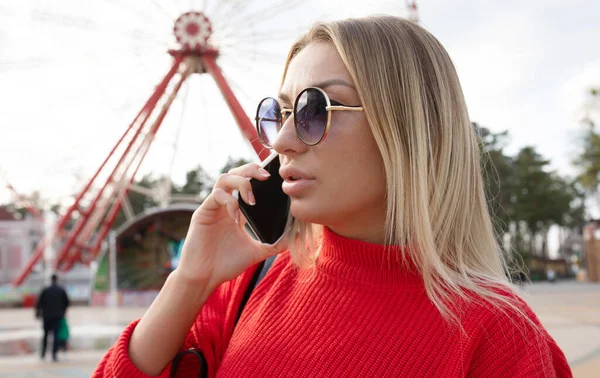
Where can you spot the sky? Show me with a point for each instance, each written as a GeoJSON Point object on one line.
{"type": "Point", "coordinates": [73, 75]}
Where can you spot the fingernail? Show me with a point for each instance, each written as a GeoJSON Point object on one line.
{"type": "Point", "coordinates": [237, 217]}
{"type": "Point", "coordinates": [251, 198]}
{"type": "Point", "coordinates": [264, 172]}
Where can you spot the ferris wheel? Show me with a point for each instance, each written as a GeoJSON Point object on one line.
{"type": "Point", "coordinates": [128, 46]}
{"type": "Point", "coordinates": [185, 74]}
{"type": "Point", "coordinates": [83, 70]}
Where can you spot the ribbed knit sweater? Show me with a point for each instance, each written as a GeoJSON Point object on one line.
{"type": "Point", "coordinates": [355, 315]}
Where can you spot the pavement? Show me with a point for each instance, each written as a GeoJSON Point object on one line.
{"type": "Point", "coordinates": [569, 310]}
{"type": "Point", "coordinates": [73, 364]}
{"type": "Point", "coordinates": [92, 331]}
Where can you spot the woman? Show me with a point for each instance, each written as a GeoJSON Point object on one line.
{"type": "Point", "coordinates": [402, 276]}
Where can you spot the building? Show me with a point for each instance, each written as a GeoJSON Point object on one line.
{"type": "Point", "coordinates": [18, 241]}
{"type": "Point", "coordinates": [592, 250]}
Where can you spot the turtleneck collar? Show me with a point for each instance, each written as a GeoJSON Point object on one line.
{"type": "Point", "coordinates": [367, 263]}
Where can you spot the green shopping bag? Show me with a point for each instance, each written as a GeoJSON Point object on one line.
{"type": "Point", "coordinates": [63, 330]}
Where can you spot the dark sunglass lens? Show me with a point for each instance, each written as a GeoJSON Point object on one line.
{"type": "Point", "coordinates": [311, 115]}
{"type": "Point", "coordinates": [268, 120]}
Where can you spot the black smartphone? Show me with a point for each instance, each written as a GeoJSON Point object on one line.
{"type": "Point", "coordinates": [270, 218]}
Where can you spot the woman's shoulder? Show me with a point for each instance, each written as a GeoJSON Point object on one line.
{"type": "Point", "coordinates": [501, 314]}
{"type": "Point", "coordinates": [501, 302]}
{"type": "Point", "coordinates": [508, 338]}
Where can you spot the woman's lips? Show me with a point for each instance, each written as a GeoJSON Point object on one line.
{"type": "Point", "coordinates": [295, 187]}
{"type": "Point", "coordinates": [295, 181]}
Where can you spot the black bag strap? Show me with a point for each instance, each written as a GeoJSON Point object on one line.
{"type": "Point", "coordinates": [203, 365]}
{"type": "Point", "coordinates": [259, 274]}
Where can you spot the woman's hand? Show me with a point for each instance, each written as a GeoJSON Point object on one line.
{"type": "Point", "coordinates": [217, 248]}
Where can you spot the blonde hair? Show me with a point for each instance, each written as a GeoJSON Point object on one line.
{"type": "Point", "coordinates": [436, 200]}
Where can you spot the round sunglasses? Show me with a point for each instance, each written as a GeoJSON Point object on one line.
{"type": "Point", "coordinates": [312, 116]}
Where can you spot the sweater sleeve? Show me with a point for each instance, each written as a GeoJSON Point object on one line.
{"type": "Point", "coordinates": [210, 334]}
{"type": "Point", "coordinates": [511, 346]}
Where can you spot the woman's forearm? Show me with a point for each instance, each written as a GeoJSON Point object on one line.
{"type": "Point", "coordinates": [162, 330]}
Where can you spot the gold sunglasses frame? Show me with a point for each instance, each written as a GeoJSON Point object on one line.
{"type": "Point", "coordinates": [289, 112]}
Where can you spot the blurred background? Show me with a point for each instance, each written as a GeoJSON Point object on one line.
{"type": "Point", "coordinates": [116, 117]}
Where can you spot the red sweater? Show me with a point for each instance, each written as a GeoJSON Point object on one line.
{"type": "Point", "coordinates": [353, 316]}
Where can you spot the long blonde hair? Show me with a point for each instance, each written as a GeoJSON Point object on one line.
{"type": "Point", "coordinates": [436, 200]}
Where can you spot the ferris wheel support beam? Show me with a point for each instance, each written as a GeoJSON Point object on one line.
{"type": "Point", "coordinates": [68, 217]}
{"type": "Point", "coordinates": [244, 123]}
{"type": "Point", "coordinates": [160, 90]}
{"type": "Point", "coordinates": [128, 209]}
{"type": "Point", "coordinates": [124, 190]}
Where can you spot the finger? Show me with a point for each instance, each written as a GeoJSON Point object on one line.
{"type": "Point", "coordinates": [229, 183]}
{"type": "Point", "coordinates": [241, 218]}
{"type": "Point", "coordinates": [221, 198]}
{"type": "Point", "coordinates": [232, 209]}
{"type": "Point", "coordinates": [251, 171]}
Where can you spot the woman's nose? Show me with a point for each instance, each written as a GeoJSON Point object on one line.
{"type": "Point", "coordinates": [287, 140]}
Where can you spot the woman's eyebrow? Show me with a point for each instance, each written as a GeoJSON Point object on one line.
{"type": "Point", "coordinates": [284, 98]}
{"type": "Point", "coordinates": [330, 82]}
{"type": "Point", "coordinates": [323, 84]}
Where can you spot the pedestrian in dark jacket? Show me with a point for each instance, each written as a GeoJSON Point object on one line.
{"type": "Point", "coordinates": [51, 307]}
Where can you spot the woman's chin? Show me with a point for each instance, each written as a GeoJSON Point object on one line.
{"type": "Point", "coordinates": [304, 212]}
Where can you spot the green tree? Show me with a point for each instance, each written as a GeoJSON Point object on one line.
{"type": "Point", "coordinates": [588, 161]}
{"type": "Point", "coordinates": [197, 181]}
{"type": "Point", "coordinates": [28, 205]}
{"type": "Point", "coordinates": [588, 157]}
{"type": "Point", "coordinates": [540, 198]}
{"type": "Point", "coordinates": [18, 211]}
{"type": "Point", "coordinates": [233, 163]}
{"type": "Point", "coordinates": [497, 172]}
{"type": "Point", "coordinates": [575, 218]}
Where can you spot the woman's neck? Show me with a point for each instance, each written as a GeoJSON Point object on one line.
{"type": "Point", "coordinates": [375, 235]}
{"type": "Point", "coordinates": [368, 228]}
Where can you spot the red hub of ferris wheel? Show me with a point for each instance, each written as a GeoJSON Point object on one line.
{"type": "Point", "coordinates": [192, 31]}
{"type": "Point", "coordinates": [91, 219]}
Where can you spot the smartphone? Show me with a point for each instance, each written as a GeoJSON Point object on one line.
{"type": "Point", "coordinates": [270, 219]}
